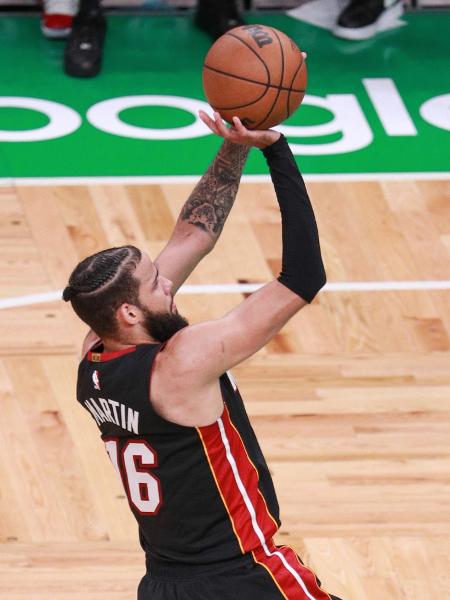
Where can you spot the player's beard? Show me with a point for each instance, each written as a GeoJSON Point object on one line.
{"type": "Point", "coordinates": [162, 326]}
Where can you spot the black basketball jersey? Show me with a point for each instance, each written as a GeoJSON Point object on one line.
{"type": "Point", "coordinates": [199, 494]}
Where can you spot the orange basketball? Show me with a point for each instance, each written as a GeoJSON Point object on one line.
{"type": "Point", "coordinates": [256, 73]}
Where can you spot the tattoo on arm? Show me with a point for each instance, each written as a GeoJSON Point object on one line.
{"type": "Point", "coordinates": [210, 203]}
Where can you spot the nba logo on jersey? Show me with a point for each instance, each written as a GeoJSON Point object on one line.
{"type": "Point", "coordinates": [96, 380]}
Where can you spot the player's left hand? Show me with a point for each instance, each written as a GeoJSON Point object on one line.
{"type": "Point", "coordinates": [237, 133]}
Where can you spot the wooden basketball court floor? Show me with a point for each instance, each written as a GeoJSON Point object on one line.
{"type": "Point", "coordinates": [351, 402]}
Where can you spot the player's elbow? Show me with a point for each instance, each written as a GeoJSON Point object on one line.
{"type": "Point", "coordinates": [316, 283]}
{"type": "Point", "coordinates": [321, 279]}
{"type": "Point", "coordinates": [306, 283]}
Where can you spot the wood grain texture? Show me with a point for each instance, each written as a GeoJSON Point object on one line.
{"type": "Point", "coordinates": [351, 401]}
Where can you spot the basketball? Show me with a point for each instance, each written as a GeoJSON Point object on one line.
{"type": "Point", "coordinates": [256, 73]}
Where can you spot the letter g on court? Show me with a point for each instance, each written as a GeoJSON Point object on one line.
{"type": "Point", "coordinates": [63, 120]}
{"type": "Point", "coordinates": [105, 115]}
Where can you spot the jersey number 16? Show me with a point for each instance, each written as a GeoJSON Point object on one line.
{"type": "Point", "coordinates": [133, 465]}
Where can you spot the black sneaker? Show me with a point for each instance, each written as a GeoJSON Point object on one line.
{"type": "Point", "coordinates": [84, 47]}
{"type": "Point", "coordinates": [362, 19]}
{"type": "Point", "coordinates": [216, 17]}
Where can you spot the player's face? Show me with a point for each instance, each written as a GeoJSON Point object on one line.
{"type": "Point", "coordinates": [161, 318]}
{"type": "Point", "coordinates": [155, 291]}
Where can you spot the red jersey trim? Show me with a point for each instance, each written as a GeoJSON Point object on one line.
{"type": "Point", "coordinates": [104, 356]}
{"type": "Point", "coordinates": [233, 523]}
{"type": "Point", "coordinates": [257, 475]}
{"type": "Point", "coordinates": [289, 575]}
{"type": "Point", "coordinates": [237, 481]}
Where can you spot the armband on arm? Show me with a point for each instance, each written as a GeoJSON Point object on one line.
{"type": "Point", "coordinates": [302, 267]}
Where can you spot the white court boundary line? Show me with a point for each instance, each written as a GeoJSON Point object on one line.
{"type": "Point", "coordinates": [167, 179]}
{"type": "Point", "coordinates": [248, 288]}
{"type": "Point", "coordinates": [370, 286]}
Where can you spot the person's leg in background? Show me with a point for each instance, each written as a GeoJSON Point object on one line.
{"type": "Point", "coordinates": [84, 49]}
{"type": "Point", "coordinates": [216, 17]}
{"type": "Point", "coordinates": [57, 18]}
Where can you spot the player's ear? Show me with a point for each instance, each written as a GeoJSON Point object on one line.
{"type": "Point", "coordinates": [128, 314]}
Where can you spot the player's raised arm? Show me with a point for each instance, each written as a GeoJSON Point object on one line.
{"type": "Point", "coordinates": [201, 219]}
{"type": "Point", "coordinates": [217, 345]}
{"type": "Point", "coordinates": [203, 215]}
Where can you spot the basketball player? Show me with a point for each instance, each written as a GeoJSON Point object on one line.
{"type": "Point", "coordinates": [170, 414]}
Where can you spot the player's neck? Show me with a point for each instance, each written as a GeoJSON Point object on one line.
{"type": "Point", "coordinates": [118, 344]}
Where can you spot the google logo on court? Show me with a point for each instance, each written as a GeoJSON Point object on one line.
{"type": "Point", "coordinates": [348, 118]}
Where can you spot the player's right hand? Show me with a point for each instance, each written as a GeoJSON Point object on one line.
{"type": "Point", "coordinates": [237, 133]}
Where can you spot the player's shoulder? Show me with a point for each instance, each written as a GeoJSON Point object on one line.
{"type": "Point", "coordinates": [180, 361]}
{"type": "Point", "coordinates": [191, 342]}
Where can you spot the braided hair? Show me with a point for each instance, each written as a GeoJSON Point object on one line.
{"type": "Point", "coordinates": [100, 283]}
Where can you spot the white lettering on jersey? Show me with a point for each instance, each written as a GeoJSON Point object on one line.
{"type": "Point", "coordinates": [93, 412]}
{"type": "Point", "coordinates": [128, 419]}
{"type": "Point", "coordinates": [106, 410]}
{"type": "Point", "coordinates": [122, 414]}
{"type": "Point", "coordinates": [114, 405]}
{"type": "Point", "coordinates": [133, 420]}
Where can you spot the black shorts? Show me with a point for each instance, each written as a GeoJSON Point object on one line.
{"type": "Point", "coordinates": [280, 575]}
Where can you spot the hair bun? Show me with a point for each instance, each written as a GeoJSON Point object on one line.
{"type": "Point", "coordinates": [68, 293]}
